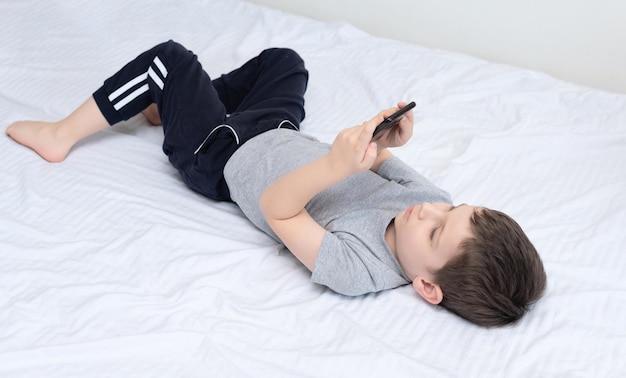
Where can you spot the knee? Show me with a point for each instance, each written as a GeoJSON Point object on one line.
{"type": "Point", "coordinates": [172, 54]}
{"type": "Point", "coordinates": [172, 47]}
{"type": "Point", "coordinates": [285, 56]}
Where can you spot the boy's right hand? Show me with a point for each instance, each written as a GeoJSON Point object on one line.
{"type": "Point", "coordinates": [353, 150]}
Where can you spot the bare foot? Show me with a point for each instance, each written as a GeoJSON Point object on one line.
{"type": "Point", "coordinates": [45, 138]}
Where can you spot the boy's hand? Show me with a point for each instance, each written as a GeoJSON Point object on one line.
{"type": "Point", "coordinates": [353, 150]}
{"type": "Point", "coordinates": [400, 134]}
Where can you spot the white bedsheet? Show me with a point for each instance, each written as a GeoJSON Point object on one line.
{"type": "Point", "coordinates": [110, 266]}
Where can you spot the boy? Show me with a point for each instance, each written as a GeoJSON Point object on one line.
{"type": "Point", "coordinates": [357, 217]}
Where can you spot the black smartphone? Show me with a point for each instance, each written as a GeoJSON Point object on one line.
{"type": "Point", "coordinates": [392, 120]}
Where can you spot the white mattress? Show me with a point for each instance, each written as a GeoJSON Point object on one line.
{"type": "Point", "coordinates": [110, 266]}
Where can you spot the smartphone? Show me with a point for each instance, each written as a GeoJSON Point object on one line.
{"type": "Point", "coordinates": [392, 120]}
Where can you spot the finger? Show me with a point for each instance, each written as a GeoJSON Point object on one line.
{"type": "Point", "coordinates": [389, 111]}
{"type": "Point", "coordinates": [369, 126]}
{"type": "Point", "coordinates": [408, 117]}
{"type": "Point", "coordinates": [385, 113]}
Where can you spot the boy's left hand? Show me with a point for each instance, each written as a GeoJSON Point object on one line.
{"type": "Point", "coordinates": [398, 135]}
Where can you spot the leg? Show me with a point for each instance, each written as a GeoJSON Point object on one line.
{"type": "Point", "coordinates": [187, 104]}
{"type": "Point", "coordinates": [132, 89]}
{"type": "Point", "coordinates": [53, 140]}
{"type": "Point", "coordinates": [264, 92]}
{"type": "Point", "coordinates": [152, 115]}
{"type": "Point", "coordinates": [170, 77]}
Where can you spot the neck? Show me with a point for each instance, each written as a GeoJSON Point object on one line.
{"type": "Point", "coordinates": [390, 238]}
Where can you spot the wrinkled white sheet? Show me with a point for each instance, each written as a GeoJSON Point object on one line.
{"type": "Point", "coordinates": [110, 266]}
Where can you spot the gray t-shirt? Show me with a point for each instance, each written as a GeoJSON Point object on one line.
{"type": "Point", "coordinates": [354, 258]}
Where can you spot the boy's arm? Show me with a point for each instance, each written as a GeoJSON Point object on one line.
{"type": "Point", "coordinates": [283, 202]}
{"type": "Point", "coordinates": [283, 205]}
{"type": "Point", "coordinates": [383, 156]}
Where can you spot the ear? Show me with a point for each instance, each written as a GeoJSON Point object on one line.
{"type": "Point", "coordinates": [431, 292]}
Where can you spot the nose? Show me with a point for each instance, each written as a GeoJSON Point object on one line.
{"type": "Point", "coordinates": [427, 210]}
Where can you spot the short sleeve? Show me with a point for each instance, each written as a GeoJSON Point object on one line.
{"type": "Point", "coordinates": [346, 266]}
{"type": "Point", "coordinates": [394, 169]}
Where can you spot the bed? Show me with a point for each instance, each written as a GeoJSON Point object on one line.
{"type": "Point", "coordinates": [110, 266]}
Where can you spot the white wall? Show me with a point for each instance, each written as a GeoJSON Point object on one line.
{"type": "Point", "coordinates": [582, 41]}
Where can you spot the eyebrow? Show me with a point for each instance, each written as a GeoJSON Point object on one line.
{"type": "Point", "coordinates": [446, 222]}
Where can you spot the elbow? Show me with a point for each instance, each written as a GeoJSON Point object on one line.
{"type": "Point", "coordinates": [272, 207]}
{"type": "Point", "coordinates": [265, 204]}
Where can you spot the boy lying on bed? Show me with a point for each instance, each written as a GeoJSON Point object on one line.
{"type": "Point", "coordinates": [357, 217]}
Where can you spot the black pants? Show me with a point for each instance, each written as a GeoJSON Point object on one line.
{"type": "Point", "coordinates": [204, 120]}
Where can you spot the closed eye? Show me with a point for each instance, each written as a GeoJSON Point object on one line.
{"type": "Point", "coordinates": [442, 226]}
{"type": "Point", "coordinates": [432, 233]}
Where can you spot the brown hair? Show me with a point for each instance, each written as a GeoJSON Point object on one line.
{"type": "Point", "coordinates": [497, 275]}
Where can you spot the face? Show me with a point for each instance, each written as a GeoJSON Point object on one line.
{"type": "Point", "coordinates": [428, 235]}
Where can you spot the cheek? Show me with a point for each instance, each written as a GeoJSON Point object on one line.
{"type": "Point", "coordinates": [415, 244]}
